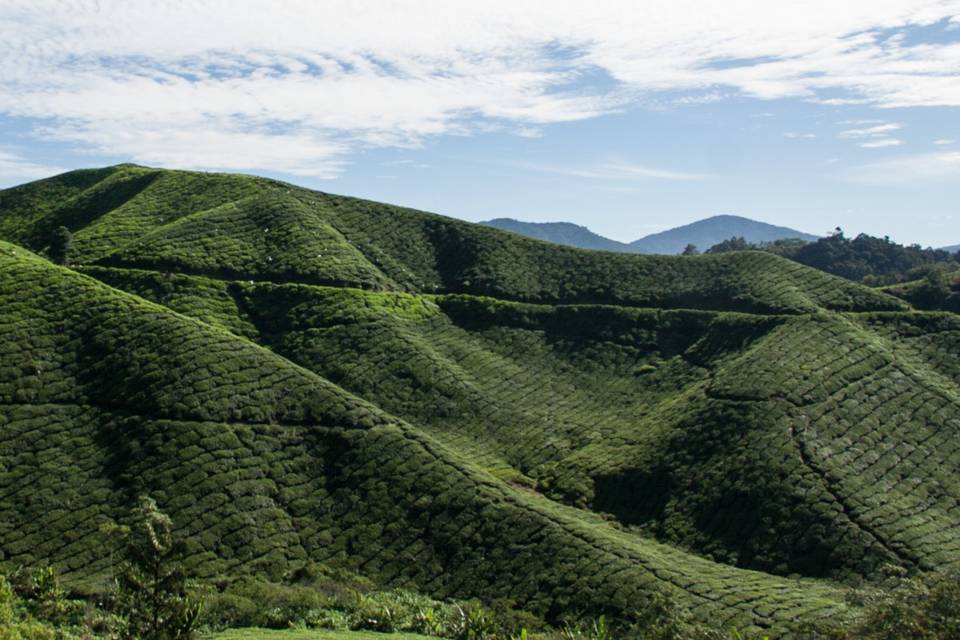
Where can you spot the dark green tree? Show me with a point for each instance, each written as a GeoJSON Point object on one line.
{"type": "Point", "coordinates": [60, 245]}
{"type": "Point", "coordinates": [933, 291]}
{"type": "Point", "coordinates": [733, 244]}
{"type": "Point", "coordinates": [690, 250]}
{"type": "Point", "coordinates": [153, 592]}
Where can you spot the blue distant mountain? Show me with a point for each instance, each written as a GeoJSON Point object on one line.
{"type": "Point", "coordinates": [714, 230]}
{"type": "Point", "coordinates": [703, 233]}
{"type": "Point", "coordinates": [559, 233]}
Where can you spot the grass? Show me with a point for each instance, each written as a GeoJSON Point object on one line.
{"type": "Point", "coordinates": [298, 376]}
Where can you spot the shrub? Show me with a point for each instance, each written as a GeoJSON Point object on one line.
{"type": "Point", "coordinates": [921, 608]}
{"type": "Point", "coordinates": [6, 601]}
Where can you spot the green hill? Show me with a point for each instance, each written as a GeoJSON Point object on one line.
{"type": "Point", "coordinates": [462, 411]}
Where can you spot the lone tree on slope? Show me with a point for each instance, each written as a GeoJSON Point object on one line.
{"type": "Point", "coordinates": [60, 245]}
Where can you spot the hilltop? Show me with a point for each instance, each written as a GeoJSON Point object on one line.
{"type": "Point", "coordinates": [298, 376]}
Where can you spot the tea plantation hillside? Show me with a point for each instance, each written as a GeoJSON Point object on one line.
{"type": "Point", "coordinates": [240, 227]}
{"type": "Point", "coordinates": [267, 465]}
{"type": "Point", "coordinates": [464, 412]}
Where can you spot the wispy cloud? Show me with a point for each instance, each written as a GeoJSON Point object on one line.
{"type": "Point", "coordinates": [944, 141]}
{"type": "Point", "coordinates": [883, 142]}
{"type": "Point", "coordinates": [908, 170]}
{"type": "Point", "coordinates": [15, 168]}
{"type": "Point", "coordinates": [614, 170]}
{"type": "Point", "coordinates": [870, 132]}
{"type": "Point", "coordinates": [799, 136]}
{"type": "Point", "coordinates": [861, 122]}
{"type": "Point", "coordinates": [296, 87]}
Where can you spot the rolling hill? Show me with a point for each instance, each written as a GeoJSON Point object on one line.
{"type": "Point", "coordinates": [442, 406]}
{"type": "Point", "coordinates": [952, 248]}
{"type": "Point", "coordinates": [703, 234]}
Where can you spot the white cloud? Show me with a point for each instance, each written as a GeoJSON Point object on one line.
{"type": "Point", "coordinates": [880, 143]}
{"type": "Point", "coordinates": [15, 168]}
{"type": "Point", "coordinates": [796, 135]}
{"type": "Point", "coordinates": [944, 141]}
{"type": "Point", "coordinates": [907, 171]}
{"type": "Point", "coordinates": [294, 86]}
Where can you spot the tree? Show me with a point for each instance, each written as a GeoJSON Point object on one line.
{"type": "Point", "coordinates": [933, 291]}
{"type": "Point", "coordinates": [690, 250]}
{"type": "Point", "coordinates": [60, 245]}
{"type": "Point", "coordinates": [733, 244]}
{"type": "Point", "coordinates": [152, 586]}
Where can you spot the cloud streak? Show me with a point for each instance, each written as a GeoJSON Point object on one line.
{"type": "Point", "coordinates": [881, 143]}
{"type": "Point", "coordinates": [614, 170]}
{"type": "Point", "coordinates": [297, 86]}
{"type": "Point", "coordinates": [908, 171]}
{"type": "Point", "coordinates": [870, 132]}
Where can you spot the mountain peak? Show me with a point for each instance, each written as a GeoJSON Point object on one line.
{"type": "Point", "coordinates": [713, 230]}
{"type": "Point", "coordinates": [566, 233]}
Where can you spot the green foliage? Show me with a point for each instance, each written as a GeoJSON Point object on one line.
{"type": "Point", "coordinates": [27, 631]}
{"type": "Point", "coordinates": [933, 288]}
{"type": "Point", "coordinates": [737, 243]}
{"type": "Point", "coordinates": [874, 261]}
{"type": "Point", "coordinates": [152, 591]}
{"type": "Point", "coordinates": [917, 608]}
{"type": "Point", "coordinates": [34, 607]}
{"type": "Point", "coordinates": [472, 622]}
{"type": "Point", "coordinates": [61, 244]}
{"type": "Point", "coordinates": [6, 601]}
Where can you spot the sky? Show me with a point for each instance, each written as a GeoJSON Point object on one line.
{"type": "Point", "coordinates": [626, 117]}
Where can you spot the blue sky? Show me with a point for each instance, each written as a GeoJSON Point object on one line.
{"type": "Point", "coordinates": [808, 114]}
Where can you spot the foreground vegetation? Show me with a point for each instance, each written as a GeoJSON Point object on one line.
{"type": "Point", "coordinates": [37, 608]}
{"type": "Point", "coordinates": [348, 407]}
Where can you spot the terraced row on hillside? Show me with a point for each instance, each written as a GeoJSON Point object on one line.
{"type": "Point", "coordinates": [631, 411]}
{"type": "Point", "coordinates": [241, 227]}
{"type": "Point", "coordinates": [437, 404]}
{"type": "Point", "coordinates": [265, 464]}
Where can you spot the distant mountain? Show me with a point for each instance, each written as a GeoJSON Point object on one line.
{"type": "Point", "coordinates": [703, 233]}
{"type": "Point", "coordinates": [567, 233]}
{"type": "Point", "coordinates": [710, 231]}
{"type": "Point", "coordinates": [952, 248]}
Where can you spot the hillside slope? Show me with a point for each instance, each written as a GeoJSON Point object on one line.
{"type": "Point", "coordinates": [265, 464]}
{"type": "Point", "coordinates": [435, 404]}
{"type": "Point", "coordinates": [250, 228]}
{"type": "Point", "coordinates": [713, 230]}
